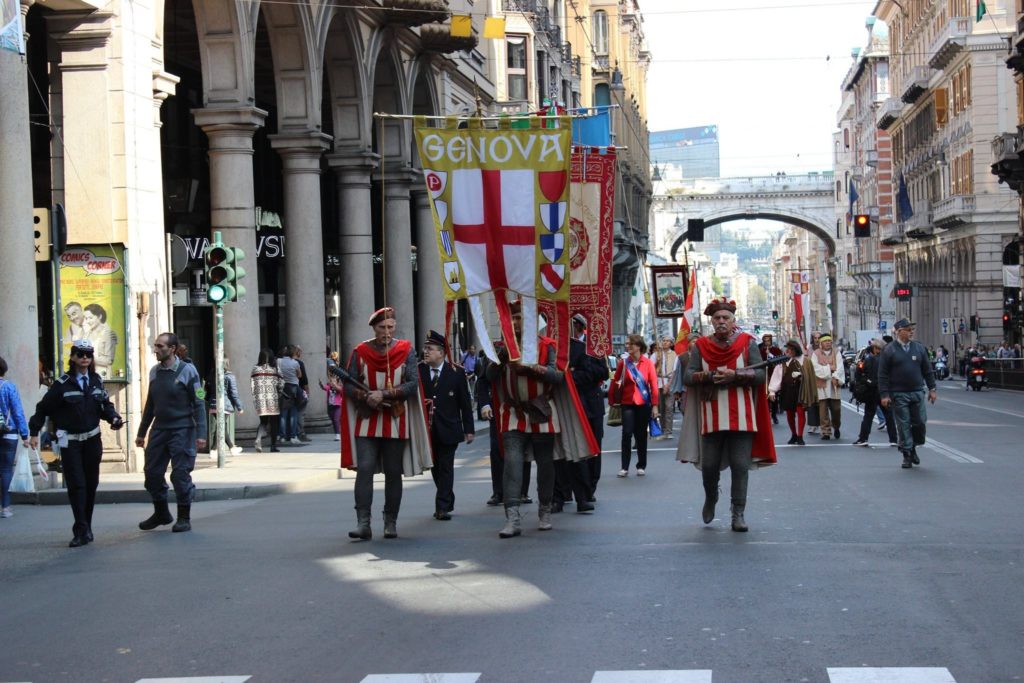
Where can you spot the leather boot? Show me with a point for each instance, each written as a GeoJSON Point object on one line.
{"type": "Point", "coordinates": [907, 460]}
{"type": "Point", "coordinates": [738, 524]}
{"type": "Point", "coordinates": [390, 526]}
{"type": "Point", "coordinates": [513, 523]}
{"type": "Point", "coordinates": [707, 513]}
{"type": "Point", "coordinates": [913, 456]}
{"type": "Point", "coordinates": [161, 515]}
{"type": "Point", "coordinates": [544, 518]}
{"type": "Point", "coordinates": [362, 531]}
{"type": "Point", "coordinates": [184, 522]}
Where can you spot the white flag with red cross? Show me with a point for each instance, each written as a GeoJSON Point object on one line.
{"type": "Point", "coordinates": [500, 205]}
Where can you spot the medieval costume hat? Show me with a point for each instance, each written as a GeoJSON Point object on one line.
{"type": "Point", "coordinates": [720, 304]}
{"type": "Point", "coordinates": [386, 313]}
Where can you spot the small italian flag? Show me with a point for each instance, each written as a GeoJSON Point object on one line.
{"type": "Point", "coordinates": [980, 10]}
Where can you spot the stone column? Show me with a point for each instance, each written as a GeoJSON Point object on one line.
{"type": "Point", "coordinates": [304, 265]}
{"type": "Point", "coordinates": [430, 304]}
{"type": "Point", "coordinates": [233, 213]}
{"type": "Point", "coordinates": [398, 249]}
{"type": "Point", "coordinates": [19, 339]}
{"type": "Point", "coordinates": [355, 229]}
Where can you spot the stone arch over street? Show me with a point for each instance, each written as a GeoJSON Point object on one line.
{"type": "Point", "coordinates": [810, 223]}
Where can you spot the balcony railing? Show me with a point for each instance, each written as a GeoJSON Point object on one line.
{"type": "Point", "coordinates": [891, 233]}
{"type": "Point", "coordinates": [953, 211]}
{"type": "Point", "coordinates": [601, 62]}
{"type": "Point", "coordinates": [916, 84]}
{"type": "Point", "coordinates": [920, 224]}
{"type": "Point", "coordinates": [519, 6]}
{"type": "Point", "coordinates": [1007, 162]}
{"type": "Point", "coordinates": [888, 113]}
{"type": "Point", "coordinates": [949, 42]}
{"type": "Point", "coordinates": [555, 36]}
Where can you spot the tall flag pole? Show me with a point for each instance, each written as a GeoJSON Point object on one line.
{"type": "Point", "coordinates": [686, 324]}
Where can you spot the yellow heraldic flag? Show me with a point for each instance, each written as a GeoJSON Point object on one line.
{"type": "Point", "coordinates": [494, 27]}
{"type": "Point", "coordinates": [462, 26]}
{"type": "Point", "coordinates": [500, 202]}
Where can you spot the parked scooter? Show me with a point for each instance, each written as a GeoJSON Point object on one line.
{"type": "Point", "coordinates": [976, 375]}
{"type": "Point", "coordinates": [941, 369]}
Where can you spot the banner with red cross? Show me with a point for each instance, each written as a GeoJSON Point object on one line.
{"type": "Point", "coordinates": [500, 200]}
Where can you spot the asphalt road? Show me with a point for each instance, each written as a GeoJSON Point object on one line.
{"type": "Point", "coordinates": [854, 570]}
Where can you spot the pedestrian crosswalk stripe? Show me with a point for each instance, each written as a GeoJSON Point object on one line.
{"type": "Point", "coordinates": [421, 678]}
{"type": "Point", "coordinates": [688, 676]}
{"type": "Point", "coordinates": [197, 679]}
{"type": "Point", "coordinates": [891, 675]}
{"type": "Point", "coordinates": [950, 452]}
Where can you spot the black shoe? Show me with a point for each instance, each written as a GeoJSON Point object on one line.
{"type": "Point", "coordinates": [592, 499]}
{"type": "Point", "coordinates": [836, 432]}
{"type": "Point", "coordinates": [557, 507]}
{"type": "Point", "coordinates": [907, 461]}
{"type": "Point", "coordinates": [826, 437]}
{"type": "Point", "coordinates": [161, 515]}
{"type": "Point", "coordinates": [707, 513]}
{"type": "Point", "coordinates": [861, 442]}
{"type": "Point", "coordinates": [800, 441]}
{"type": "Point", "coordinates": [584, 507]}
{"type": "Point", "coordinates": [775, 420]}
{"type": "Point", "coordinates": [494, 501]}
{"type": "Point", "coordinates": [275, 449]}
{"type": "Point", "coordinates": [792, 440]}
{"type": "Point", "coordinates": [525, 500]}
{"type": "Point", "coordinates": [440, 516]}
{"type": "Point", "coordinates": [913, 456]}
{"type": "Point", "coordinates": [390, 528]}
{"type": "Point", "coordinates": [78, 542]}
{"type": "Point", "coordinates": [184, 522]}
{"type": "Point", "coordinates": [88, 535]}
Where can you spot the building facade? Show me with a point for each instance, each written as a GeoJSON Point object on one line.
{"type": "Point", "coordinates": [950, 97]}
{"type": "Point", "coordinates": [156, 124]}
{"type": "Point", "coordinates": [687, 152]}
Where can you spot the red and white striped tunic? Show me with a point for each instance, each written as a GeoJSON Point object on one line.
{"type": "Point", "coordinates": [520, 389]}
{"type": "Point", "coordinates": [731, 408]}
{"type": "Point", "coordinates": [383, 423]}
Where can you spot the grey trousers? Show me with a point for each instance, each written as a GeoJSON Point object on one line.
{"type": "Point", "coordinates": [515, 445]}
{"type": "Point", "coordinates": [733, 448]}
{"type": "Point", "coordinates": [909, 408]}
{"type": "Point", "coordinates": [374, 455]}
{"type": "Point", "coordinates": [177, 447]}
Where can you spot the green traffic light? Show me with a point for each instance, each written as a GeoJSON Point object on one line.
{"type": "Point", "coordinates": [216, 294]}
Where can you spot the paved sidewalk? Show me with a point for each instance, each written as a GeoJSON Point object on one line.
{"type": "Point", "coordinates": [246, 475]}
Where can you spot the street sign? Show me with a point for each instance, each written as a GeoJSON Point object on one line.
{"type": "Point", "coordinates": [882, 325]}
{"type": "Point", "coordinates": [962, 327]}
{"type": "Point", "coordinates": [947, 327]}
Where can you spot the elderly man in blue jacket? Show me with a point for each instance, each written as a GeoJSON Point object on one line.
{"type": "Point", "coordinates": [903, 372]}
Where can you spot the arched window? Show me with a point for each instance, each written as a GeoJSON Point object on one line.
{"type": "Point", "coordinates": [600, 26]}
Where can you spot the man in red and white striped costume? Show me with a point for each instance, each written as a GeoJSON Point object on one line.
{"type": "Point", "coordinates": [383, 425]}
{"type": "Point", "coordinates": [733, 408]}
{"type": "Point", "coordinates": [526, 416]}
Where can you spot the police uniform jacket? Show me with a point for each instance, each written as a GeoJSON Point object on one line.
{"type": "Point", "coordinates": [71, 409]}
{"type": "Point", "coordinates": [452, 408]}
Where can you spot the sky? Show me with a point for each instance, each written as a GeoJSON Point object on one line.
{"type": "Point", "coordinates": [768, 73]}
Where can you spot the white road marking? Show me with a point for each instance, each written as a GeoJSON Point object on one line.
{"type": "Point", "coordinates": [197, 679]}
{"type": "Point", "coordinates": [974, 405]}
{"type": "Point", "coordinates": [891, 675]}
{"type": "Point", "coordinates": [690, 676]}
{"type": "Point", "coordinates": [952, 453]}
{"type": "Point", "coordinates": [422, 678]}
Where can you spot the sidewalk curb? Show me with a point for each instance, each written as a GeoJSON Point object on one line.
{"type": "Point", "coordinates": [211, 492]}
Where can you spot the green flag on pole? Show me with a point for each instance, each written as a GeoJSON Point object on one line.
{"type": "Point", "coordinates": [981, 10]}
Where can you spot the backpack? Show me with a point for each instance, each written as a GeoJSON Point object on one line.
{"type": "Point", "coordinates": [860, 387]}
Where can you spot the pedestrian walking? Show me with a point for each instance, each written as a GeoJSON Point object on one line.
{"type": "Point", "coordinates": [232, 404]}
{"type": "Point", "coordinates": [903, 372]}
{"type": "Point", "coordinates": [334, 390]}
{"type": "Point", "coordinates": [865, 390]}
{"type": "Point", "coordinates": [76, 403]}
{"type": "Point", "coordinates": [13, 426]}
{"type": "Point", "coordinates": [792, 388]}
{"type": "Point", "coordinates": [290, 371]}
{"type": "Point", "coordinates": [267, 386]}
{"type": "Point", "coordinates": [813, 416]}
{"type": "Point", "coordinates": [449, 416]}
{"type": "Point", "coordinates": [635, 388]}
{"type": "Point", "coordinates": [177, 412]}
{"type": "Point", "coordinates": [383, 425]}
{"type": "Point", "coordinates": [664, 367]}
{"type": "Point", "coordinates": [830, 375]}
{"type": "Point", "coordinates": [735, 428]}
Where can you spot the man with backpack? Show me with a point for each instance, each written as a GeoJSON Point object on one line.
{"type": "Point", "coordinates": [865, 391]}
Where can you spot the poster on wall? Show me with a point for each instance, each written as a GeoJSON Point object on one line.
{"type": "Point", "coordinates": [669, 291]}
{"type": "Point", "coordinates": [11, 34]}
{"type": "Point", "coordinates": [92, 295]}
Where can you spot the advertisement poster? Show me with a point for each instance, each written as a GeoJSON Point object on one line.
{"type": "Point", "coordinates": [92, 297]}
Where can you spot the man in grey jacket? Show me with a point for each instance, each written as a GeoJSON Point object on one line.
{"type": "Point", "coordinates": [903, 372]}
{"type": "Point", "coordinates": [176, 408]}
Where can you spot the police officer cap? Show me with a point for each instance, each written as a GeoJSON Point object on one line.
{"type": "Point", "coordinates": [900, 324]}
{"type": "Point", "coordinates": [81, 345]}
{"type": "Point", "coordinates": [435, 338]}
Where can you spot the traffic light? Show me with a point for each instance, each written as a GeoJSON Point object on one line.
{"type": "Point", "coordinates": [757, 329]}
{"type": "Point", "coordinates": [223, 271]}
{"type": "Point", "coordinates": [695, 229]}
{"type": "Point", "coordinates": [1007, 321]}
{"type": "Point", "coordinates": [862, 225]}
{"type": "Point", "coordinates": [775, 315]}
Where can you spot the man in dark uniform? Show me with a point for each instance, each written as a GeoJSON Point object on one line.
{"type": "Point", "coordinates": [579, 479]}
{"type": "Point", "coordinates": [76, 403]}
{"type": "Point", "coordinates": [176, 408]}
{"type": "Point", "coordinates": [449, 415]}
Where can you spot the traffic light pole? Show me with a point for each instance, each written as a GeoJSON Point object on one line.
{"type": "Point", "coordinates": [218, 314]}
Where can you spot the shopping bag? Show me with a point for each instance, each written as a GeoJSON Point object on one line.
{"type": "Point", "coordinates": [22, 482]}
{"type": "Point", "coordinates": [614, 415]}
{"type": "Point", "coordinates": [655, 427]}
